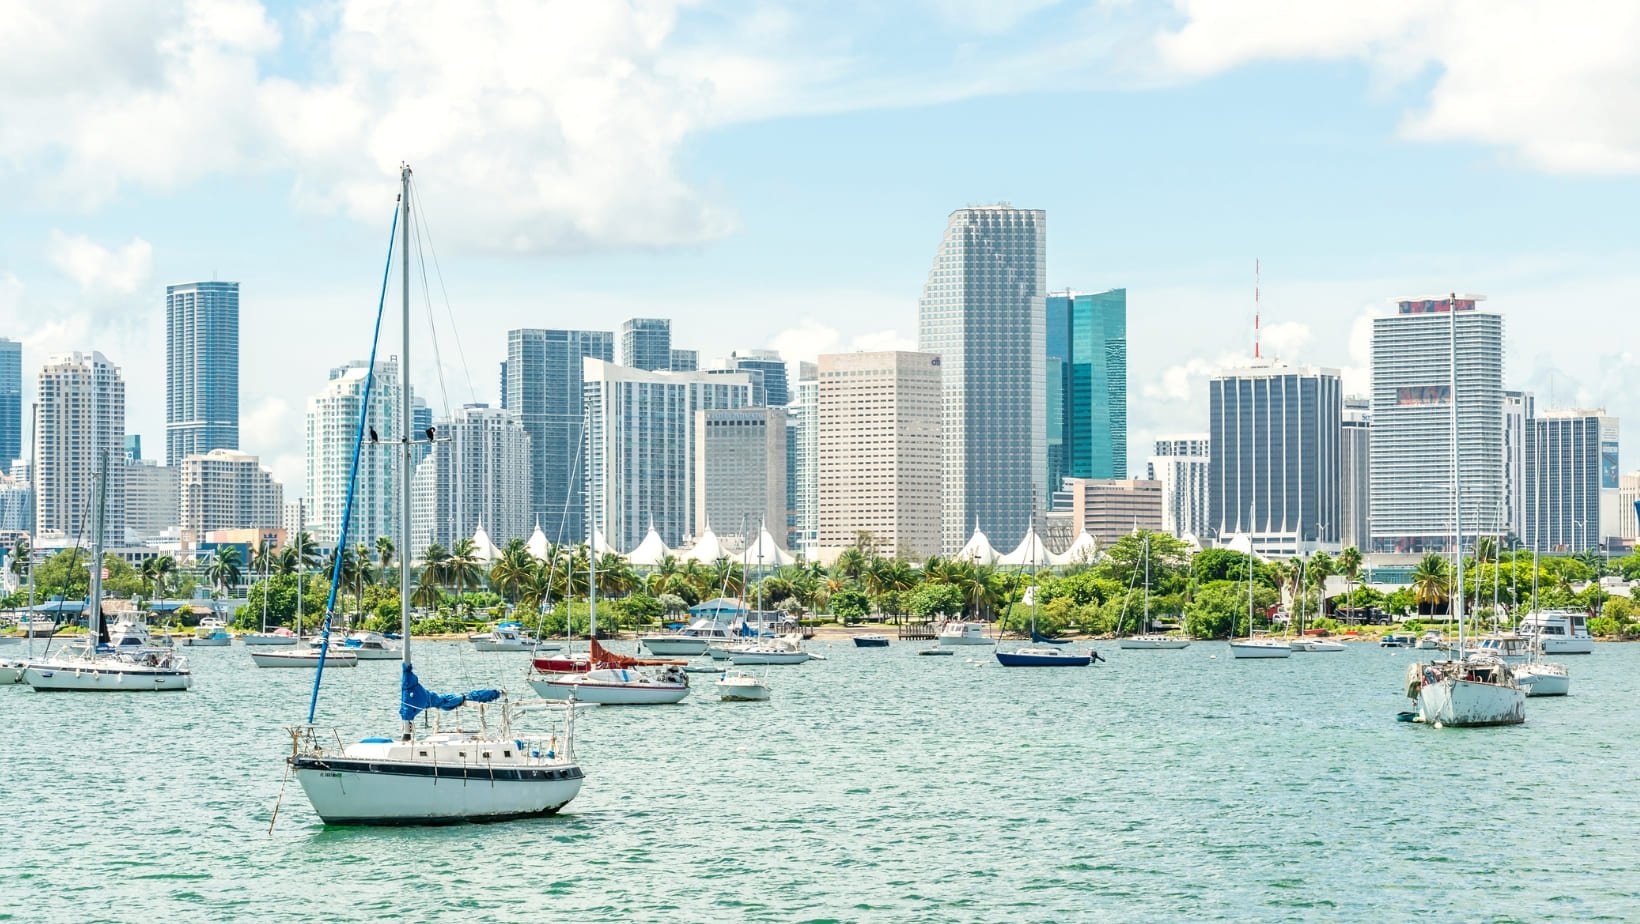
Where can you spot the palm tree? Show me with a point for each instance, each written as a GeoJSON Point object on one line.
{"type": "Point", "coordinates": [615, 576]}
{"type": "Point", "coordinates": [307, 551]}
{"type": "Point", "coordinates": [224, 567]}
{"type": "Point", "coordinates": [384, 554]}
{"type": "Point", "coordinates": [164, 567]}
{"type": "Point", "coordinates": [362, 574]}
{"type": "Point", "coordinates": [21, 556]}
{"type": "Point", "coordinates": [665, 576]}
{"type": "Point", "coordinates": [510, 572]}
{"type": "Point", "coordinates": [1430, 584]}
{"type": "Point", "coordinates": [463, 568]}
{"type": "Point", "coordinates": [852, 562]}
{"type": "Point", "coordinates": [1349, 562]}
{"type": "Point", "coordinates": [435, 564]}
{"type": "Point", "coordinates": [426, 594]}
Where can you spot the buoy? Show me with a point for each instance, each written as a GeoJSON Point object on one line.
{"type": "Point", "coordinates": [1438, 724]}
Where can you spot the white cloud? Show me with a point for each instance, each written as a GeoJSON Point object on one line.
{"type": "Point", "coordinates": [1555, 81]}
{"type": "Point", "coordinates": [95, 268]}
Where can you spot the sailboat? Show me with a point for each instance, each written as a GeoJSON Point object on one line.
{"type": "Point", "coordinates": [281, 636]}
{"type": "Point", "coordinates": [309, 656]}
{"type": "Point", "coordinates": [92, 666]}
{"type": "Point", "coordinates": [1039, 655]}
{"type": "Point", "coordinates": [1470, 689]}
{"type": "Point", "coordinates": [1144, 638]}
{"type": "Point", "coordinates": [437, 776]}
{"type": "Point", "coordinates": [1253, 647]}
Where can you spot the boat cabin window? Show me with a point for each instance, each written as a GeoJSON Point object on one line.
{"type": "Point", "coordinates": [506, 753]}
{"type": "Point", "coordinates": [424, 753]}
{"type": "Point", "coordinates": [486, 755]}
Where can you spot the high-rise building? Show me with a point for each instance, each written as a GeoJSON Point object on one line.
{"type": "Point", "coordinates": [544, 390]}
{"type": "Point", "coordinates": [1411, 482]}
{"type": "Point", "coordinates": [80, 425]}
{"type": "Point", "coordinates": [1109, 508]}
{"type": "Point", "coordinates": [1087, 385]}
{"type": "Point", "coordinates": [740, 471]}
{"type": "Point", "coordinates": [1628, 518]}
{"type": "Point", "coordinates": [152, 499]}
{"type": "Point", "coordinates": [685, 360]}
{"type": "Point", "coordinates": [1355, 474]}
{"type": "Point", "coordinates": [477, 474]}
{"type": "Point", "coordinates": [1571, 482]}
{"type": "Point", "coordinates": [11, 400]}
{"type": "Point", "coordinates": [982, 311]}
{"type": "Point", "coordinates": [646, 343]}
{"type": "Point", "coordinates": [293, 518]}
{"type": "Point", "coordinates": [229, 489]}
{"type": "Point", "coordinates": [772, 369]}
{"type": "Point", "coordinates": [421, 417]}
{"type": "Point", "coordinates": [803, 469]}
{"type": "Point", "coordinates": [1519, 407]}
{"type": "Point", "coordinates": [332, 424]}
{"type": "Point", "coordinates": [879, 452]}
{"type": "Point", "coordinates": [1181, 465]}
{"type": "Point", "coordinates": [640, 461]}
{"type": "Point", "coordinates": [1275, 432]}
{"type": "Point", "coordinates": [16, 500]}
{"type": "Point", "coordinates": [201, 368]}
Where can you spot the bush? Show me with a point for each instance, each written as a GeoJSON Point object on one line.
{"type": "Point", "coordinates": [850, 604]}
{"type": "Point", "coordinates": [931, 600]}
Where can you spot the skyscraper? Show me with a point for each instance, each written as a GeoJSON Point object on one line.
{"type": "Point", "coordinates": [1355, 485]}
{"type": "Point", "coordinates": [879, 452]}
{"type": "Point", "coordinates": [804, 466]}
{"type": "Point", "coordinates": [1519, 407]}
{"type": "Point", "coordinates": [685, 360]}
{"type": "Point", "coordinates": [641, 447]}
{"type": "Point", "coordinates": [229, 489]}
{"type": "Point", "coordinates": [646, 343]}
{"type": "Point", "coordinates": [1087, 384]}
{"type": "Point", "coordinates": [152, 499]}
{"type": "Point", "coordinates": [1181, 465]}
{"type": "Point", "coordinates": [80, 424]}
{"type": "Point", "coordinates": [477, 474]}
{"type": "Point", "coordinates": [1275, 432]}
{"type": "Point", "coordinates": [1412, 425]}
{"type": "Point", "coordinates": [740, 471]}
{"type": "Point", "coordinates": [982, 311]}
{"type": "Point", "coordinates": [11, 401]}
{"type": "Point", "coordinates": [1572, 481]}
{"type": "Point", "coordinates": [772, 368]}
{"type": "Point", "coordinates": [201, 368]}
{"type": "Point", "coordinates": [544, 390]}
{"type": "Point", "coordinates": [332, 424]}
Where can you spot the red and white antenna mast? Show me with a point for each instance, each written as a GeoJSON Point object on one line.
{"type": "Point", "coordinates": [1256, 332]}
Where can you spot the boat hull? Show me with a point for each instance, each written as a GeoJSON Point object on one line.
{"type": "Point", "coordinates": [10, 674]}
{"type": "Point", "coordinates": [1467, 704]}
{"type": "Point", "coordinates": [269, 641]}
{"type": "Point", "coordinates": [1567, 646]}
{"type": "Point", "coordinates": [742, 692]}
{"type": "Point", "coordinates": [1537, 681]}
{"type": "Point", "coordinates": [196, 642]}
{"type": "Point", "coordinates": [951, 641]}
{"type": "Point", "coordinates": [111, 679]}
{"type": "Point", "coordinates": [1144, 644]}
{"type": "Point", "coordinates": [1316, 645]}
{"type": "Point", "coordinates": [504, 645]}
{"type": "Point", "coordinates": [768, 657]}
{"type": "Point", "coordinates": [1256, 650]}
{"type": "Point", "coordinates": [307, 659]}
{"type": "Point", "coordinates": [861, 641]}
{"type": "Point", "coordinates": [609, 694]}
{"type": "Point", "coordinates": [362, 792]}
{"type": "Point", "coordinates": [1019, 659]}
{"type": "Point", "coordinates": [673, 646]}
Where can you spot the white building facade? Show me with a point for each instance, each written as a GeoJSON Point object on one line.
{"type": "Point", "coordinates": [477, 474]}
{"type": "Point", "coordinates": [1182, 464]}
{"type": "Point", "coordinates": [229, 489]}
{"type": "Point", "coordinates": [80, 423]}
{"type": "Point", "coordinates": [332, 425]}
{"type": "Point", "coordinates": [740, 471]}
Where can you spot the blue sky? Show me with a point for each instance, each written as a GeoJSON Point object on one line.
{"type": "Point", "coordinates": [771, 173]}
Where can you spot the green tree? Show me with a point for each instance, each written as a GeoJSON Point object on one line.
{"type": "Point", "coordinates": [850, 604]}
{"type": "Point", "coordinates": [1219, 609]}
{"type": "Point", "coordinates": [1431, 584]}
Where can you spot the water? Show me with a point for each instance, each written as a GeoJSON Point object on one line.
{"type": "Point", "coordinates": [876, 786]}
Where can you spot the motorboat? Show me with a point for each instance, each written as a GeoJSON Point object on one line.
{"type": "Point", "coordinates": [1313, 643]}
{"type": "Point", "coordinates": [306, 656]}
{"type": "Point", "coordinates": [129, 632]}
{"type": "Point", "coordinates": [278, 637]}
{"type": "Point", "coordinates": [616, 686]}
{"type": "Point", "coordinates": [1260, 647]}
{"type": "Point", "coordinates": [1396, 641]}
{"type": "Point", "coordinates": [504, 637]}
{"type": "Point", "coordinates": [1044, 656]}
{"type": "Point", "coordinates": [690, 641]}
{"type": "Point", "coordinates": [1431, 640]}
{"type": "Point", "coordinates": [785, 649]}
{"type": "Point", "coordinates": [935, 651]}
{"type": "Point", "coordinates": [871, 640]}
{"type": "Point", "coordinates": [735, 686]}
{"type": "Point", "coordinates": [1559, 632]}
{"type": "Point", "coordinates": [1469, 692]}
{"type": "Point", "coordinates": [964, 633]}
{"type": "Point", "coordinates": [1152, 641]}
{"type": "Point", "coordinates": [1523, 655]}
{"type": "Point", "coordinates": [370, 646]}
{"type": "Point", "coordinates": [212, 633]}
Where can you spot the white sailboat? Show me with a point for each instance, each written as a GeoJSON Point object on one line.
{"type": "Point", "coordinates": [438, 777]}
{"type": "Point", "coordinates": [1255, 647]}
{"type": "Point", "coordinates": [1145, 639]}
{"type": "Point", "coordinates": [281, 636]}
{"type": "Point", "coordinates": [293, 655]}
{"type": "Point", "coordinates": [1469, 689]}
{"type": "Point", "coordinates": [90, 666]}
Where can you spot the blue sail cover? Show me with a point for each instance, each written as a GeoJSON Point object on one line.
{"type": "Point", "coordinates": [414, 698]}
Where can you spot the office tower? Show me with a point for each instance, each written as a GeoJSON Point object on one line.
{"type": "Point", "coordinates": [16, 500]}
{"type": "Point", "coordinates": [152, 499]}
{"type": "Point", "coordinates": [1519, 407]}
{"type": "Point", "coordinates": [1275, 431]}
{"type": "Point", "coordinates": [503, 382]}
{"type": "Point", "coordinates": [1087, 385]}
{"type": "Point", "coordinates": [332, 423]}
{"type": "Point", "coordinates": [477, 474]}
{"type": "Point", "coordinates": [641, 448]}
{"type": "Point", "coordinates": [201, 368]}
{"type": "Point", "coordinates": [544, 391]}
{"type": "Point", "coordinates": [1355, 474]}
{"type": "Point", "coordinates": [421, 417]}
{"type": "Point", "coordinates": [1109, 508]}
{"type": "Point", "coordinates": [879, 452]}
{"type": "Point", "coordinates": [1411, 482]}
{"type": "Point", "coordinates": [11, 400]}
{"type": "Point", "coordinates": [1571, 481]}
{"type": "Point", "coordinates": [982, 311]}
{"type": "Point", "coordinates": [646, 343]}
{"type": "Point", "coordinates": [293, 517]}
{"type": "Point", "coordinates": [685, 360]}
{"type": "Point", "coordinates": [133, 447]}
{"type": "Point", "coordinates": [804, 468]}
{"type": "Point", "coordinates": [771, 367]}
{"type": "Point", "coordinates": [229, 489]}
{"type": "Point", "coordinates": [1180, 464]}
{"type": "Point", "coordinates": [740, 472]}
{"type": "Point", "coordinates": [1628, 518]}
{"type": "Point", "coordinates": [80, 425]}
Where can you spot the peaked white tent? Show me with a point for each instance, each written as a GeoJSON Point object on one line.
{"type": "Point", "coordinates": [707, 548]}
{"type": "Point", "coordinates": [1081, 551]}
{"type": "Point", "coordinates": [1243, 543]}
{"type": "Point", "coordinates": [601, 545]}
{"type": "Point", "coordinates": [978, 550]}
{"type": "Point", "coordinates": [1030, 553]}
{"type": "Point", "coordinates": [765, 551]}
{"type": "Point", "coordinates": [538, 543]}
{"type": "Point", "coordinates": [483, 547]}
{"type": "Point", "coordinates": [650, 551]}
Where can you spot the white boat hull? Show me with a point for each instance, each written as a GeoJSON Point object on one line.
{"type": "Point", "coordinates": [503, 645]}
{"type": "Point", "coordinates": [112, 678]}
{"type": "Point", "coordinates": [345, 791]}
{"type": "Point", "coordinates": [1143, 644]}
{"type": "Point", "coordinates": [1315, 644]}
{"type": "Point", "coordinates": [307, 659]}
{"type": "Point", "coordinates": [563, 686]}
{"type": "Point", "coordinates": [1466, 704]}
{"type": "Point", "coordinates": [10, 674]}
{"type": "Point", "coordinates": [196, 642]}
{"type": "Point", "coordinates": [1543, 679]}
{"type": "Point", "coordinates": [371, 654]}
{"type": "Point", "coordinates": [768, 657]}
{"type": "Point", "coordinates": [268, 640]}
{"type": "Point", "coordinates": [953, 641]}
{"type": "Point", "coordinates": [674, 646]}
{"type": "Point", "coordinates": [1567, 646]}
{"type": "Point", "coordinates": [1260, 649]}
{"type": "Point", "coordinates": [742, 692]}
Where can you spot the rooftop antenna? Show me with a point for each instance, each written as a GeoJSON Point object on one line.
{"type": "Point", "coordinates": [1256, 332]}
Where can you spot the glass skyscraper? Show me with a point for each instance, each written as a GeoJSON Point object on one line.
{"type": "Point", "coordinates": [201, 368]}
{"type": "Point", "coordinates": [544, 390]}
{"type": "Point", "coordinates": [982, 311]}
{"type": "Point", "coordinates": [1087, 385]}
{"type": "Point", "coordinates": [11, 400]}
{"type": "Point", "coordinates": [646, 343]}
{"type": "Point", "coordinates": [772, 369]}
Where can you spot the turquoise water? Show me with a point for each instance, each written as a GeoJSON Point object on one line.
{"type": "Point", "coordinates": [876, 786]}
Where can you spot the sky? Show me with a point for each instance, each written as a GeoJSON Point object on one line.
{"type": "Point", "coordinates": [778, 174]}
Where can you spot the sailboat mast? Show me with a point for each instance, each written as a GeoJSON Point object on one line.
{"type": "Point", "coordinates": [34, 487]}
{"type": "Point", "coordinates": [1457, 510]}
{"type": "Point", "coordinates": [405, 424]}
{"type": "Point", "coordinates": [94, 618]}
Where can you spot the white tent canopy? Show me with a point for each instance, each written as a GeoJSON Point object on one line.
{"type": "Point", "coordinates": [1030, 553]}
{"type": "Point", "coordinates": [707, 548]}
{"type": "Point", "coordinates": [765, 551]}
{"type": "Point", "coordinates": [1243, 543]}
{"type": "Point", "coordinates": [1080, 552]}
{"type": "Point", "coordinates": [483, 547]}
{"type": "Point", "coordinates": [601, 545]}
{"type": "Point", "coordinates": [978, 550]}
{"type": "Point", "coordinates": [650, 551]}
{"type": "Point", "coordinates": [538, 543]}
